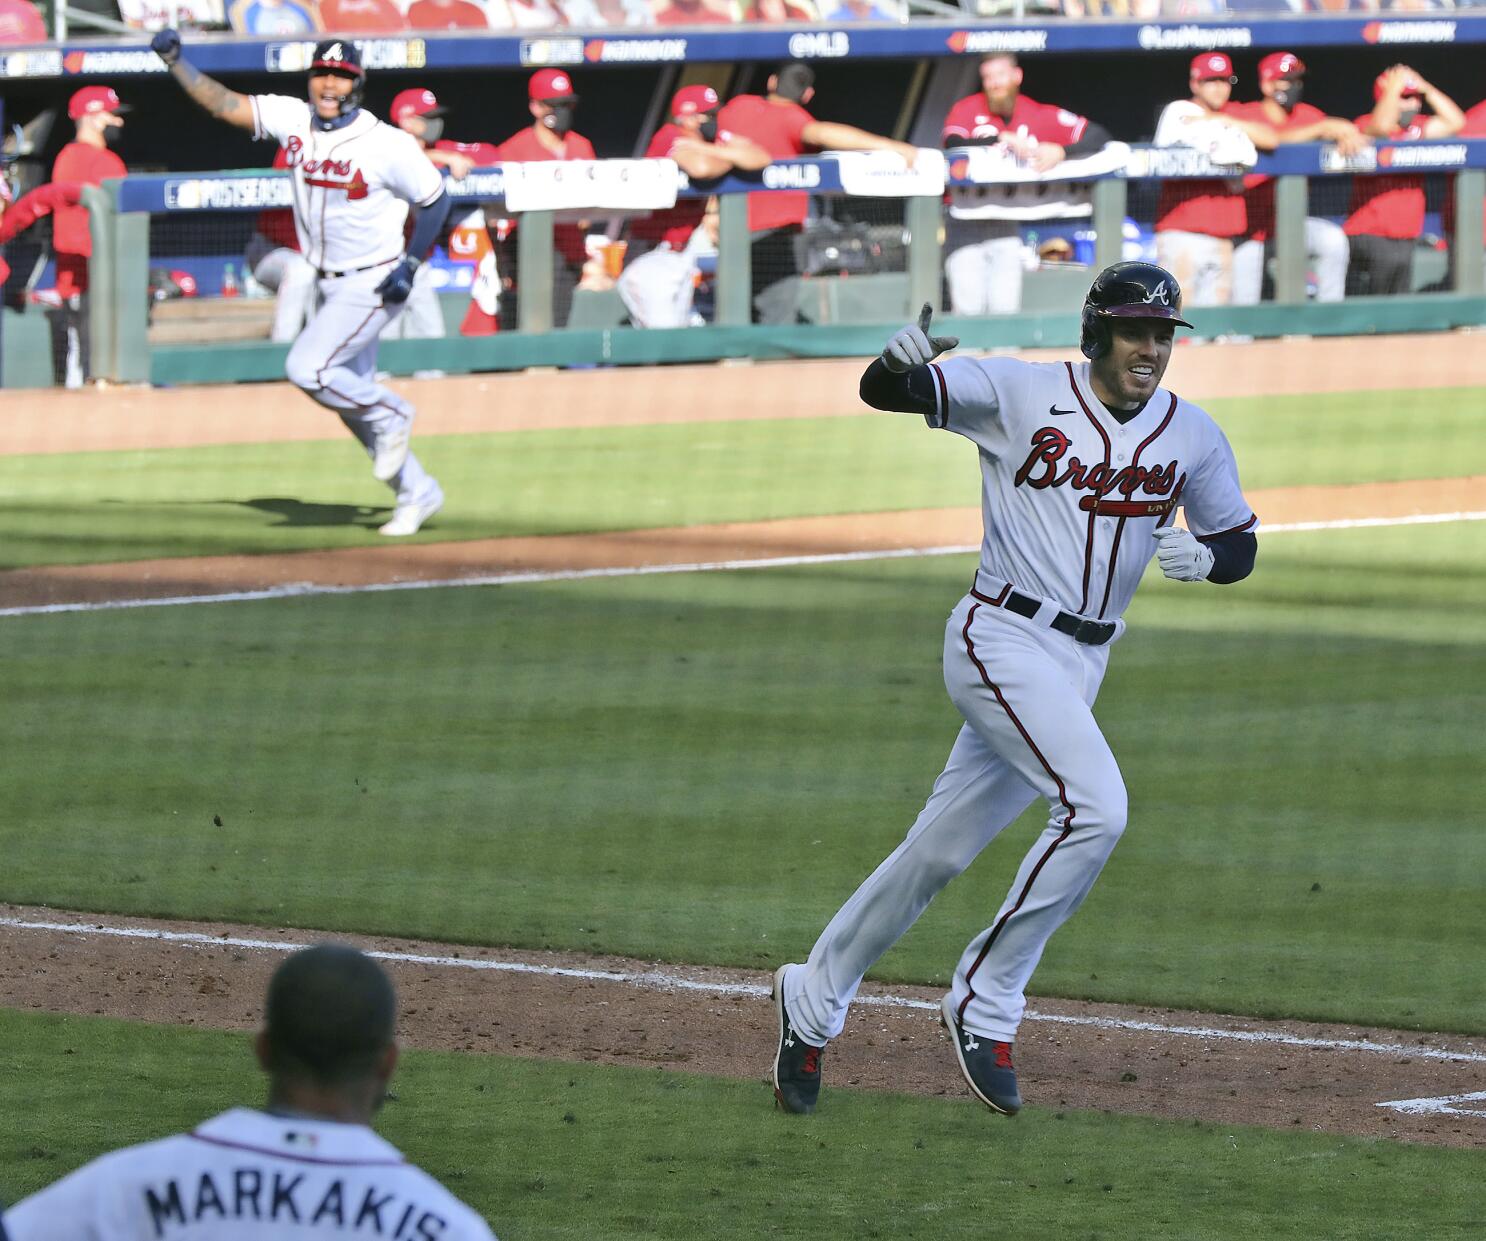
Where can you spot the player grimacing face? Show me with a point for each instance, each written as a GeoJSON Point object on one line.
{"type": "Point", "coordinates": [327, 90]}
{"type": "Point", "coordinates": [1130, 372]}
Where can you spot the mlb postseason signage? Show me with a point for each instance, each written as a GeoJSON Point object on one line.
{"type": "Point", "coordinates": [637, 184]}
{"type": "Point", "coordinates": [464, 50]}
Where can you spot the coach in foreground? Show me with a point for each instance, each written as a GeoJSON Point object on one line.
{"type": "Point", "coordinates": [1083, 467]}
{"type": "Point", "coordinates": [355, 180]}
{"type": "Point", "coordinates": [306, 1165]}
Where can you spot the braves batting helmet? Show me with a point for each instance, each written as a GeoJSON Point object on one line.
{"type": "Point", "coordinates": [1127, 291]}
{"type": "Point", "coordinates": [343, 57]}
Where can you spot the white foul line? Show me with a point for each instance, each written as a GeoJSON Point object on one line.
{"type": "Point", "coordinates": [657, 980]}
{"type": "Point", "coordinates": [302, 590]}
{"type": "Point", "coordinates": [1444, 1105]}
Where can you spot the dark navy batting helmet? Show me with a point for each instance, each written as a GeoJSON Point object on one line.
{"type": "Point", "coordinates": [343, 57]}
{"type": "Point", "coordinates": [1127, 291]}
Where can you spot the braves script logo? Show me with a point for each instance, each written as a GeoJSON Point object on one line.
{"type": "Point", "coordinates": [1045, 467]}
{"type": "Point", "coordinates": [328, 174]}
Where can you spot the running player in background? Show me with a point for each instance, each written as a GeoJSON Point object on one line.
{"type": "Point", "coordinates": [355, 180]}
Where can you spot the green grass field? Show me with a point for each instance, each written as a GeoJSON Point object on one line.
{"type": "Point", "coordinates": [619, 765]}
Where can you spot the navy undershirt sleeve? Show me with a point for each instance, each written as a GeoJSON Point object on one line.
{"type": "Point", "coordinates": [1233, 556]}
{"type": "Point", "coordinates": [899, 392]}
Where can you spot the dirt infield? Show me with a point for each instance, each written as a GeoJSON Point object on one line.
{"type": "Point", "coordinates": [1070, 1055]}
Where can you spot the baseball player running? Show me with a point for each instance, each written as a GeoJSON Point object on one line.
{"type": "Point", "coordinates": [306, 1165]}
{"type": "Point", "coordinates": [355, 180]}
{"type": "Point", "coordinates": [1082, 467]}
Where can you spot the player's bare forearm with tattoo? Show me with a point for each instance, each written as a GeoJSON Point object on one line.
{"type": "Point", "coordinates": [214, 98]}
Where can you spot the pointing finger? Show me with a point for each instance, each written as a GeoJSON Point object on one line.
{"type": "Point", "coordinates": [924, 316]}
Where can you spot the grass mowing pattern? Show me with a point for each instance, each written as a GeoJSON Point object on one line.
{"type": "Point", "coordinates": [86, 507]}
{"type": "Point", "coordinates": [702, 767]}
{"type": "Point", "coordinates": [554, 1152]}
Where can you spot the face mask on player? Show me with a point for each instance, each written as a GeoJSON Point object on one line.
{"type": "Point", "coordinates": [708, 129]}
{"type": "Point", "coordinates": [560, 119]}
{"type": "Point", "coordinates": [1408, 113]}
{"type": "Point", "coordinates": [433, 129]}
{"type": "Point", "coordinates": [1287, 94]}
{"type": "Point", "coordinates": [112, 134]}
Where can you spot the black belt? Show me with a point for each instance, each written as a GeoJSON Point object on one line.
{"type": "Point", "coordinates": [350, 271]}
{"type": "Point", "coordinates": [1080, 629]}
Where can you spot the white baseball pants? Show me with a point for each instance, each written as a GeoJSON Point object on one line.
{"type": "Point", "coordinates": [289, 276]}
{"type": "Point", "coordinates": [1326, 247]}
{"type": "Point", "coordinates": [334, 362]}
{"type": "Point", "coordinates": [1202, 265]}
{"type": "Point", "coordinates": [1026, 694]}
{"type": "Point", "coordinates": [983, 266]}
{"type": "Point", "coordinates": [657, 288]}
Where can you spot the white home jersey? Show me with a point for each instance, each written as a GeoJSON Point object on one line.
{"type": "Point", "coordinates": [247, 1174]}
{"type": "Point", "coordinates": [1071, 498]}
{"type": "Point", "coordinates": [352, 185]}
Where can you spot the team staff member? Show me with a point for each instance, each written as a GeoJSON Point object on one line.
{"type": "Point", "coordinates": [778, 122]}
{"type": "Point", "coordinates": [355, 180]}
{"type": "Point", "coordinates": [983, 264]}
{"type": "Point", "coordinates": [552, 102]}
{"type": "Point", "coordinates": [1281, 84]}
{"type": "Point", "coordinates": [16, 217]}
{"type": "Point", "coordinates": [1197, 221]}
{"type": "Point", "coordinates": [1387, 213]}
{"type": "Point", "coordinates": [1074, 507]}
{"type": "Point", "coordinates": [658, 282]}
{"type": "Point", "coordinates": [306, 1165]}
{"type": "Point", "coordinates": [86, 160]}
{"type": "Point", "coordinates": [274, 257]}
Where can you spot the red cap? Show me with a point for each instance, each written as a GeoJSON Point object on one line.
{"type": "Point", "coordinates": [417, 102]}
{"type": "Point", "coordinates": [547, 85]}
{"type": "Point", "coordinates": [185, 281]}
{"type": "Point", "coordinates": [94, 99]}
{"type": "Point", "coordinates": [1280, 65]}
{"type": "Point", "coordinates": [1211, 65]}
{"type": "Point", "coordinates": [690, 100]}
{"type": "Point", "coordinates": [1410, 87]}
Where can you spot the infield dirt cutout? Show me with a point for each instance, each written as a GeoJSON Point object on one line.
{"type": "Point", "coordinates": [1097, 1059]}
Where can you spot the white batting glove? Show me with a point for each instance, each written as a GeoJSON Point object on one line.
{"type": "Point", "coordinates": [913, 346]}
{"type": "Point", "coordinates": [1181, 556]}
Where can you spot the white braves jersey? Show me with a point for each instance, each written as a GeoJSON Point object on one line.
{"type": "Point", "coordinates": [352, 185]}
{"type": "Point", "coordinates": [247, 1174]}
{"type": "Point", "coordinates": [1071, 498]}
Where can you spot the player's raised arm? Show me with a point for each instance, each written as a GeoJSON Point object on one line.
{"type": "Point", "coordinates": [898, 379]}
{"type": "Point", "coordinates": [210, 94]}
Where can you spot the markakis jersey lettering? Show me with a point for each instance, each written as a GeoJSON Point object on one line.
{"type": "Point", "coordinates": [352, 186]}
{"type": "Point", "coordinates": [1071, 498]}
{"type": "Point", "coordinates": [246, 1174]}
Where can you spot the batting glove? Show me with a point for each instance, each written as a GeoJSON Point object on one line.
{"type": "Point", "coordinates": [167, 46]}
{"type": "Point", "coordinates": [398, 283]}
{"type": "Point", "coordinates": [1181, 556]}
{"type": "Point", "coordinates": [913, 346]}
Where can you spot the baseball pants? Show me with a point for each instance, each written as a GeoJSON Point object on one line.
{"type": "Point", "coordinates": [1325, 246]}
{"type": "Point", "coordinates": [334, 362]}
{"type": "Point", "coordinates": [1202, 265]}
{"type": "Point", "coordinates": [983, 266]}
{"type": "Point", "coordinates": [1380, 265]}
{"type": "Point", "coordinates": [1026, 694]}
{"type": "Point", "coordinates": [288, 274]}
{"type": "Point", "coordinates": [422, 317]}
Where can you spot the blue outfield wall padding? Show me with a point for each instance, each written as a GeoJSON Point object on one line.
{"type": "Point", "coordinates": [257, 361]}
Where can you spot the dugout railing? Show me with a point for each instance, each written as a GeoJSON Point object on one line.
{"type": "Point", "coordinates": [122, 213]}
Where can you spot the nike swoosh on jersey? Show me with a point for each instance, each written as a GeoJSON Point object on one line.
{"type": "Point", "coordinates": [1053, 409]}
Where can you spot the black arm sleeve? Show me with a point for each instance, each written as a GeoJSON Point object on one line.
{"type": "Point", "coordinates": [1233, 556]}
{"type": "Point", "coordinates": [428, 223]}
{"type": "Point", "coordinates": [1094, 139]}
{"type": "Point", "coordinates": [898, 392]}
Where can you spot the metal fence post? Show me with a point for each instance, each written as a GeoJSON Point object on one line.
{"type": "Point", "coordinates": [104, 307]}
{"type": "Point", "coordinates": [1291, 204]}
{"type": "Point", "coordinates": [924, 218]}
{"type": "Point", "coordinates": [1470, 271]}
{"type": "Point", "coordinates": [534, 257]}
{"type": "Point", "coordinates": [734, 261]}
{"type": "Point", "coordinates": [1111, 195]}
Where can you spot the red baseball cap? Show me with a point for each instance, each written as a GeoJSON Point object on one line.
{"type": "Point", "coordinates": [417, 102]}
{"type": "Point", "coordinates": [94, 99]}
{"type": "Point", "coordinates": [1410, 87]}
{"type": "Point", "coordinates": [690, 100]}
{"type": "Point", "coordinates": [1280, 65]}
{"type": "Point", "coordinates": [1211, 65]}
{"type": "Point", "coordinates": [549, 85]}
